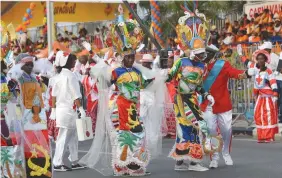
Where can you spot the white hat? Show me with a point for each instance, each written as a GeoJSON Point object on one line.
{"type": "Point", "coordinates": [266, 45]}
{"type": "Point", "coordinates": [147, 58]}
{"type": "Point", "coordinates": [61, 58]}
{"type": "Point", "coordinates": [213, 48]}
{"type": "Point", "coordinates": [196, 51]}
{"type": "Point", "coordinates": [276, 16]}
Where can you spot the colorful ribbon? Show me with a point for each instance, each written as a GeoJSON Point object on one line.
{"type": "Point", "coordinates": [156, 19]}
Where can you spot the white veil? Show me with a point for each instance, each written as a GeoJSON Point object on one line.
{"type": "Point", "coordinates": [156, 118]}
{"type": "Point", "coordinates": [99, 155]}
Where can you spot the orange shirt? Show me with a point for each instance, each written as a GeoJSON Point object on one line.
{"type": "Point", "coordinates": [255, 39]}
{"type": "Point", "coordinates": [241, 39]}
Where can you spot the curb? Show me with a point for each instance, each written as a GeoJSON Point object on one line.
{"type": "Point", "coordinates": [243, 131]}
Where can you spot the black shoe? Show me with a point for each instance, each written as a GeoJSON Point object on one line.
{"type": "Point", "coordinates": [62, 168]}
{"type": "Point", "coordinates": [77, 166]}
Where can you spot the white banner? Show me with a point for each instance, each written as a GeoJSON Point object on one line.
{"type": "Point", "coordinates": [251, 9]}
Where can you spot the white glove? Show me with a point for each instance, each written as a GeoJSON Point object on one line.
{"type": "Point", "coordinates": [211, 100]}
{"type": "Point", "coordinates": [275, 99]}
{"type": "Point", "coordinates": [53, 114]}
{"type": "Point", "coordinates": [275, 73]}
{"type": "Point", "coordinates": [239, 50]}
{"type": "Point", "coordinates": [86, 45]}
{"type": "Point", "coordinates": [82, 112]}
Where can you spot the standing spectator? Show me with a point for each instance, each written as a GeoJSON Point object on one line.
{"type": "Point", "coordinates": [98, 39]}
{"type": "Point", "coordinates": [226, 28]}
{"type": "Point", "coordinates": [236, 27]}
{"type": "Point", "coordinates": [266, 92]}
{"type": "Point", "coordinates": [214, 36]}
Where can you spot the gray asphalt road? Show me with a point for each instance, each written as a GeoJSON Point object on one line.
{"type": "Point", "coordinates": [251, 160]}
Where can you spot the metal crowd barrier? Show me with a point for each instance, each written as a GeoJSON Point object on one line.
{"type": "Point", "coordinates": [241, 91]}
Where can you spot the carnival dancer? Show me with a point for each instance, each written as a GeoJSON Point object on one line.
{"type": "Point", "coordinates": [121, 122]}
{"type": "Point", "coordinates": [65, 93]}
{"type": "Point", "coordinates": [220, 114]}
{"type": "Point", "coordinates": [188, 73]}
{"type": "Point", "coordinates": [266, 93]}
{"type": "Point", "coordinates": [33, 116]}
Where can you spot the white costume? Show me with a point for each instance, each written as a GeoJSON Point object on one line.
{"type": "Point", "coordinates": [66, 90]}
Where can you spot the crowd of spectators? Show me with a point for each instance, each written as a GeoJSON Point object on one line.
{"type": "Point", "coordinates": [263, 27]}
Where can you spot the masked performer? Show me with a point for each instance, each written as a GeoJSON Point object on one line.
{"type": "Point", "coordinates": [220, 115]}
{"type": "Point", "coordinates": [266, 93]}
{"type": "Point", "coordinates": [130, 155]}
{"type": "Point", "coordinates": [188, 73]}
{"type": "Point", "coordinates": [65, 93]}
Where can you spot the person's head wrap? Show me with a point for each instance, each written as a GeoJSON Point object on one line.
{"type": "Point", "coordinates": [23, 58]}
{"type": "Point", "coordinates": [261, 51]}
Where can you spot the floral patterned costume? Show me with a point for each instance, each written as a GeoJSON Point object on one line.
{"type": "Point", "coordinates": [130, 155]}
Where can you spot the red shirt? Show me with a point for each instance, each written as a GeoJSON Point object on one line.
{"type": "Point", "coordinates": [219, 89]}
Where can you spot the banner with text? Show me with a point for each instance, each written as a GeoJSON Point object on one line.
{"type": "Point", "coordinates": [251, 9]}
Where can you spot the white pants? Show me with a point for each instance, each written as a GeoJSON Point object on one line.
{"type": "Point", "coordinates": [66, 138]}
{"type": "Point", "coordinates": [222, 121]}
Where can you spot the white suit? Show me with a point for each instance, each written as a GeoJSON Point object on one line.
{"type": "Point", "coordinates": [223, 121]}
{"type": "Point", "coordinates": [66, 89]}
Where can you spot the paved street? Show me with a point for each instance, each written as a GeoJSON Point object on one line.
{"type": "Point", "coordinates": [252, 160]}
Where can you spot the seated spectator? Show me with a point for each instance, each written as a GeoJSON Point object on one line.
{"type": "Point", "coordinates": [242, 37]}
{"type": "Point", "coordinates": [277, 25]}
{"type": "Point", "coordinates": [254, 38]}
{"type": "Point", "coordinates": [270, 28]}
{"type": "Point", "coordinates": [264, 36]}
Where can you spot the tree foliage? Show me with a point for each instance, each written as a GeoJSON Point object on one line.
{"type": "Point", "coordinates": [171, 11]}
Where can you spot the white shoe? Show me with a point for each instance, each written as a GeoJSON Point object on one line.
{"type": "Point", "coordinates": [213, 164]}
{"type": "Point", "coordinates": [182, 167]}
{"type": "Point", "coordinates": [228, 160]}
{"type": "Point", "coordinates": [198, 168]}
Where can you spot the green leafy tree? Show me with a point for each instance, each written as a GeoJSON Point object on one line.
{"type": "Point", "coordinates": [6, 160]}
{"type": "Point", "coordinates": [171, 11]}
{"type": "Point", "coordinates": [127, 140]}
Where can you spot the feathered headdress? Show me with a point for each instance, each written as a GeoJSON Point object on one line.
{"type": "Point", "coordinates": [126, 34]}
{"type": "Point", "coordinates": [192, 31]}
